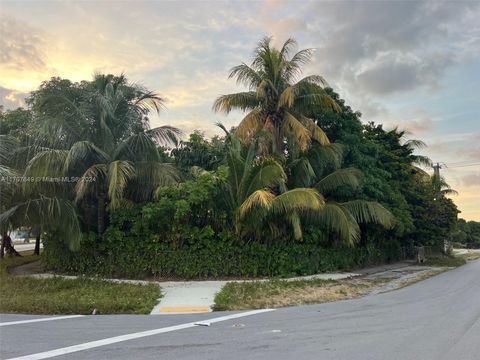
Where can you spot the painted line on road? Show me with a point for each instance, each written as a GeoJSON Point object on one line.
{"type": "Point", "coordinates": [184, 309]}
{"type": "Point", "coordinates": [40, 320]}
{"type": "Point", "coordinates": [137, 335]}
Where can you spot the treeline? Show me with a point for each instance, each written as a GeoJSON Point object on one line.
{"type": "Point", "coordinates": [299, 186]}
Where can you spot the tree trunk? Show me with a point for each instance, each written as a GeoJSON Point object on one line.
{"type": "Point", "coordinates": [2, 246]}
{"type": "Point", "coordinates": [38, 232]}
{"type": "Point", "coordinates": [8, 246]}
{"type": "Point", "coordinates": [101, 214]}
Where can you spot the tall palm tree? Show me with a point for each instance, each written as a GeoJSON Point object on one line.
{"type": "Point", "coordinates": [277, 102]}
{"type": "Point", "coordinates": [105, 141]}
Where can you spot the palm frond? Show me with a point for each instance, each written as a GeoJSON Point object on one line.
{"type": "Point", "coordinates": [415, 144]}
{"type": "Point", "coordinates": [150, 101]}
{"type": "Point", "coordinates": [260, 199]}
{"type": "Point", "coordinates": [287, 47]}
{"type": "Point", "coordinates": [370, 212]}
{"type": "Point", "coordinates": [250, 125]}
{"type": "Point", "coordinates": [243, 101]}
{"type": "Point", "coordinates": [118, 175]}
{"type": "Point", "coordinates": [337, 219]}
{"type": "Point", "coordinates": [293, 128]}
{"type": "Point", "coordinates": [302, 173]}
{"type": "Point", "coordinates": [81, 151]}
{"type": "Point", "coordinates": [266, 174]}
{"type": "Point", "coordinates": [342, 177]}
{"type": "Point", "coordinates": [422, 161]}
{"type": "Point", "coordinates": [245, 75]}
{"type": "Point", "coordinates": [325, 157]}
{"type": "Point", "coordinates": [165, 135]}
{"type": "Point", "coordinates": [47, 163]}
{"type": "Point", "coordinates": [91, 179]}
{"type": "Point", "coordinates": [299, 199]}
{"type": "Point", "coordinates": [316, 133]}
{"type": "Point", "coordinates": [287, 98]}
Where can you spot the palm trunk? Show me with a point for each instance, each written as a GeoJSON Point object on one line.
{"type": "Point", "coordinates": [2, 246]}
{"type": "Point", "coordinates": [38, 232]}
{"type": "Point", "coordinates": [8, 246]}
{"type": "Point", "coordinates": [101, 213]}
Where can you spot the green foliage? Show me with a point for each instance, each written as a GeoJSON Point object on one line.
{"type": "Point", "coordinates": [191, 241]}
{"type": "Point", "coordinates": [467, 232]}
{"type": "Point", "coordinates": [301, 185]}
{"type": "Point", "coordinates": [206, 254]}
{"type": "Point", "coordinates": [444, 260]}
{"type": "Point", "coordinates": [199, 152]}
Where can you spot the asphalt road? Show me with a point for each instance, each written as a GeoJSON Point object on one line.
{"type": "Point", "coordinates": [435, 319]}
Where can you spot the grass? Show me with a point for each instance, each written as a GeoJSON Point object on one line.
{"type": "Point", "coordinates": [278, 293]}
{"type": "Point", "coordinates": [444, 260]}
{"type": "Point", "coordinates": [420, 277]}
{"type": "Point", "coordinates": [58, 295]}
{"type": "Point", "coordinates": [470, 256]}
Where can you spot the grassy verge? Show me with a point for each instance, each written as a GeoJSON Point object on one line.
{"type": "Point", "coordinates": [444, 260]}
{"type": "Point", "coordinates": [278, 293]}
{"type": "Point", "coordinates": [420, 277]}
{"type": "Point", "coordinates": [471, 256]}
{"type": "Point", "coordinates": [70, 296]}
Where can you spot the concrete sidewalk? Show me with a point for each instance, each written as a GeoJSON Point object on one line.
{"type": "Point", "coordinates": [187, 297]}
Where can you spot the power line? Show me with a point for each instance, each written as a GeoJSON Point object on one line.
{"type": "Point", "coordinates": [465, 165]}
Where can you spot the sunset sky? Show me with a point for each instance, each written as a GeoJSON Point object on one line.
{"type": "Point", "coordinates": [411, 64]}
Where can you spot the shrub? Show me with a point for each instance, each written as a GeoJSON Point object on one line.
{"type": "Point", "coordinates": [184, 235]}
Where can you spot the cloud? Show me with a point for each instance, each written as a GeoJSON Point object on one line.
{"type": "Point", "coordinates": [383, 47]}
{"type": "Point", "coordinates": [471, 180]}
{"type": "Point", "coordinates": [392, 72]}
{"type": "Point", "coordinates": [20, 46]}
{"type": "Point", "coordinates": [421, 125]}
{"type": "Point", "coordinates": [11, 99]}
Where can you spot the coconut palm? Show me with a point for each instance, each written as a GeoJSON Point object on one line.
{"type": "Point", "coordinates": [256, 191]}
{"type": "Point", "coordinates": [277, 102]}
{"type": "Point", "coordinates": [101, 136]}
{"type": "Point", "coordinates": [25, 203]}
{"type": "Point", "coordinates": [321, 169]}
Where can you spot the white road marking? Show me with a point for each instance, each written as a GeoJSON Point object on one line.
{"type": "Point", "coordinates": [137, 335]}
{"type": "Point", "coordinates": [40, 320]}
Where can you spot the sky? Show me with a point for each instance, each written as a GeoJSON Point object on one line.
{"type": "Point", "coordinates": [414, 65]}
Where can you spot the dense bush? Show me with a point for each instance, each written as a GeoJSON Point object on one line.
{"type": "Point", "coordinates": [208, 255]}
{"type": "Point", "coordinates": [138, 245]}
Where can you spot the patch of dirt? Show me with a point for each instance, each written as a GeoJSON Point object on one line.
{"type": "Point", "coordinates": [32, 268]}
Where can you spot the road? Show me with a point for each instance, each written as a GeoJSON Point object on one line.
{"type": "Point", "coordinates": [26, 247]}
{"type": "Point", "coordinates": [436, 319]}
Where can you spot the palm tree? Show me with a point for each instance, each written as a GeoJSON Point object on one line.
{"type": "Point", "coordinates": [321, 169]}
{"type": "Point", "coordinates": [25, 203]}
{"type": "Point", "coordinates": [440, 187]}
{"type": "Point", "coordinates": [256, 190]}
{"type": "Point", "coordinates": [102, 137]}
{"type": "Point", "coordinates": [276, 102]}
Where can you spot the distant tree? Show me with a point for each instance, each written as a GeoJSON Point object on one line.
{"type": "Point", "coordinates": [200, 152]}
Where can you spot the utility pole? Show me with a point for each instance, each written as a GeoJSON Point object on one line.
{"type": "Point", "coordinates": [436, 170]}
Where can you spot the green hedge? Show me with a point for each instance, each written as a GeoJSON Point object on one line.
{"type": "Point", "coordinates": [183, 235]}
{"type": "Point", "coordinates": [207, 255]}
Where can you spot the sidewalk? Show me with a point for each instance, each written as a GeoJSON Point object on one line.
{"type": "Point", "coordinates": [184, 297]}
{"type": "Point", "coordinates": [187, 297]}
